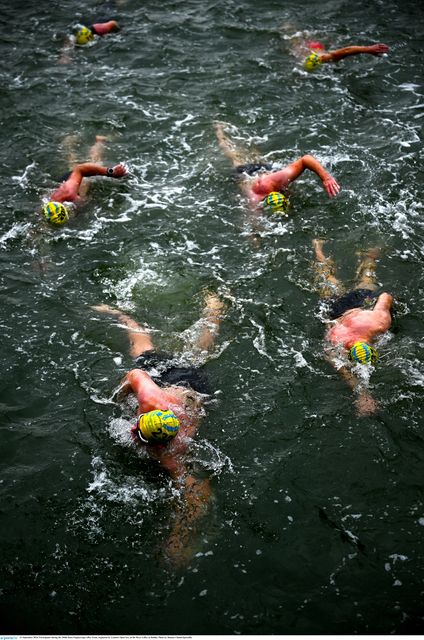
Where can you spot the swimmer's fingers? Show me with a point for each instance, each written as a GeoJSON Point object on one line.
{"type": "Point", "coordinates": [331, 186]}
{"type": "Point", "coordinates": [119, 171]}
{"type": "Point", "coordinates": [377, 49]}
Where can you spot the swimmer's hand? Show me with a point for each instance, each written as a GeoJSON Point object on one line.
{"type": "Point", "coordinates": [118, 171]}
{"type": "Point", "coordinates": [378, 49]}
{"type": "Point", "coordinates": [331, 186]}
{"type": "Point", "coordinates": [105, 308]}
{"type": "Point", "coordinates": [365, 405]}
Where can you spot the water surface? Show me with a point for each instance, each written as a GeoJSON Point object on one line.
{"type": "Point", "coordinates": [316, 524]}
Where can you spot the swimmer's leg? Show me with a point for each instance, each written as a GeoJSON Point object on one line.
{"type": "Point", "coordinates": [228, 147]}
{"type": "Point", "coordinates": [201, 335]}
{"type": "Point", "coordinates": [139, 338]}
{"type": "Point", "coordinates": [96, 151]}
{"type": "Point", "coordinates": [325, 279]}
{"type": "Point", "coordinates": [212, 316]}
{"type": "Point", "coordinates": [68, 145]}
{"type": "Point", "coordinates": [366, 277]}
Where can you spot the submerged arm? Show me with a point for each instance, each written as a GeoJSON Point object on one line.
{"type": "Point", "coordinates": [365, 404]}
{"type": "Point", "coordinates": [193, 505]}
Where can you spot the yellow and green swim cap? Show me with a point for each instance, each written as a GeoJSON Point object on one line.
{"type": "Point", "coordinates": [83, 35]}
{"type": "Point", "coordinates": [56, 213]}
{"type": "Point", "coordinates": [312, 61]}
{"type": "Point", "coordinates": [363, 353]}
{"type": "Point", "coordinates": [158, 426]}
{"type": "Point", "coordinates": [276, 202]}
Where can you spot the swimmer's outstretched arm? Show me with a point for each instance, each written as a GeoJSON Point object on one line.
{"type": "Point", "coordinates": [339, 54]}
{"type": "Point", "coordinates": [295, 169]}
{"type": "Point", "coordinates": [102, 28]}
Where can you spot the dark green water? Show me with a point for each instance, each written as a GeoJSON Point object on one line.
{"type": "Point", "coordinates": [317, 519]}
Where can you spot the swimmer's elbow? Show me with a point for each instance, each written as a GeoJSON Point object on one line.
{"type": "Point", "coordinates": [310, 162]}
{"type": "Point", "coordinates": [139, 381]}
{"type": "Point", "coordinates": [132, 379]}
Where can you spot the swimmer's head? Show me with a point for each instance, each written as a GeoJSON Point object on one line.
{"type": "Point", "coordinates": [83, 35]}
{"type": "Point", "coordinates": [157, 427]}
{"type": "Point", "coordinates": [56, 213]}
{"type": "Point", "coordinates": [276, 202]}
{"type": "Point", "coordinates": [312, 62]}
{"type": "Point", "coordinates": [315, 45]}
{"type": "Point", "coordinates": [363, 353]}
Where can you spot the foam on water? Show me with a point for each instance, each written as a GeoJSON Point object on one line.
{"type": "Point", "coordinates": [139, 281]}
{"type": "Point", "coordinates": [125, 490]}
{"type": "Point", "coordinates": [24, 179]}
{"type": "Point", "coordinates": [18, 230]}
{"type": "Point", "coordinates": [130, 494]}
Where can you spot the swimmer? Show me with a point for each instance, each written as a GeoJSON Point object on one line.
{"type": "Point", "coordinates": [170, 400]}
{"type": "Point", "coordinates": [84, 35]}
{"type": "Point", "coordinates": [73, 189]}
{"type": "Point", "coordinates": [316, 54]}
{"type": "Point", "coordinates": [357, 318]}
{"type": "Point", "coordinates": [260, 183]}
